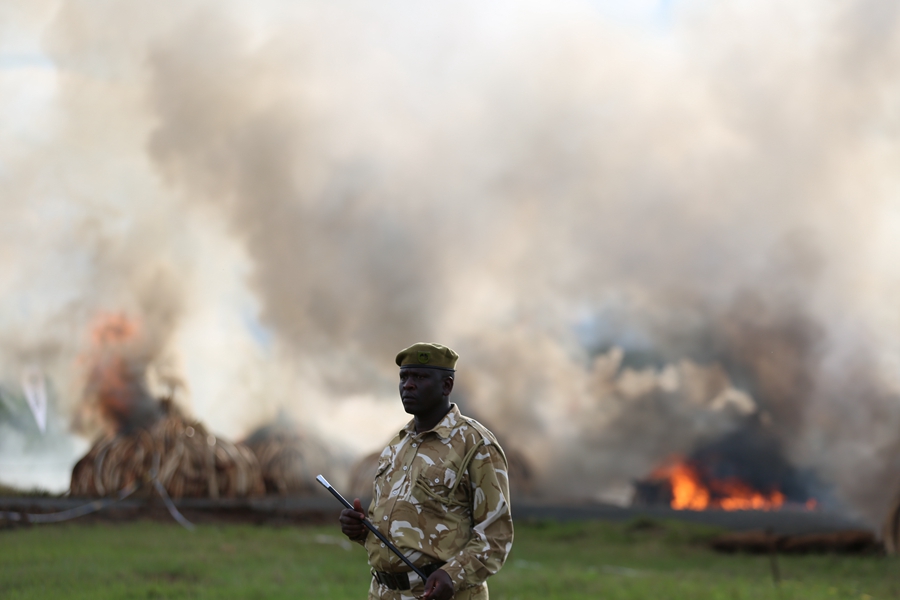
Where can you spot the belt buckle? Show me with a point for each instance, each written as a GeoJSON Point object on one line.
{"type": "Point", "coordinates": [403, 580]}
{"type": "Point", "coordinates": [393, 581]}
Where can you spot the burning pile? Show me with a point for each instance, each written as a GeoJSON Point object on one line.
{"type": "Point", "coordinates": [688, 488]}
{"type": "Point", "coordinates": [284, 455]}
{"type": "Point", "coordinates": [742, 471]}
{"type": "Point", "coordinates": [146, 437]}
{"type": "Point", "coordinates": [191, 462]}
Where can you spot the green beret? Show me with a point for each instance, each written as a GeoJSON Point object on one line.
{"type": "Point", "coordinates": [429, 356]}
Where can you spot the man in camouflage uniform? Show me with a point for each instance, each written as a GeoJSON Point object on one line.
{"type": "Point", "coordinates": [441, 493]}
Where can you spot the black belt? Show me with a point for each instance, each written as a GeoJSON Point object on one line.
{"type": "Point", "coordinates": [400, 581]}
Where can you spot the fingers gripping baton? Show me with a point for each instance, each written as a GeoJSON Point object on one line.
{"type": "Point", "coordinates": [372, 528]}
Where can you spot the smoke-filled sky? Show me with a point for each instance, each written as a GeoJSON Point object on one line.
{"type": "Point", "coordinates": [639, 226]}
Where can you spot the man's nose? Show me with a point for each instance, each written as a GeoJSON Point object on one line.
{"type": "Point", "coordinates": [408, 384]}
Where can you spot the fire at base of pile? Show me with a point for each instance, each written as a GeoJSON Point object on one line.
{"type": "Point", "coordinates": [744, 470]}
{"type": "Point", "coordinates": [193, 463]}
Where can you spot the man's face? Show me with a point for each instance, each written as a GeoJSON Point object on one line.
{"type": "Point", "coordinates": [421, 390]}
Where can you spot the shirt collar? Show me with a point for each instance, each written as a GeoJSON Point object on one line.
{"type": "Point", "coordinates": [444, 427]}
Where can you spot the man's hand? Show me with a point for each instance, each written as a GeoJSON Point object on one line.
{"type": "Point", "coordinates": [352, 522]}
{"type": "Point", "coordinates": [438, 586]}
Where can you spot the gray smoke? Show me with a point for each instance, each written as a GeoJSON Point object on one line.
{"type": "Point", "coordinates": [637, 236]}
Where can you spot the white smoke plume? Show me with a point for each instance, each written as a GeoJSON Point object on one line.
{"type": "Point", "coordinates": [635, 230]}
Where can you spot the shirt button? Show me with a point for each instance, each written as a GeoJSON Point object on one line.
{"type": "Point", "coordinates": [436, 480]}
{"type": "Point", "coordinates": [382, 544]}
{"type": "Point", "coordinates": [385, 517]}
{"type": "Point", "coordinates": [405, 467]}
{"type": "Point", "coordinates": [414, 445]}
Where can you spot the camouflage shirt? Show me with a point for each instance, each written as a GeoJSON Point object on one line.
{"type": "Point", "coordinates": [435, 509]}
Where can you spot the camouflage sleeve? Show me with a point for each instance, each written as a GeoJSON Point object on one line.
{"type": "Point", "coordinates": [492, 528]}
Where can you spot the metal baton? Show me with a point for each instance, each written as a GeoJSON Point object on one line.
{"type": "Point", "coordinates": [372, 528]}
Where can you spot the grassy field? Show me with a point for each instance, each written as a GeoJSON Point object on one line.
{"type": "Point", "coordinates": [556, 561]}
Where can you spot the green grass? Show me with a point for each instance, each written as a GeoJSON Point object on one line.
{"type": "Point", "coordinates": [6, 491]}
{"type": "Point", "coordinates": [549, 561]}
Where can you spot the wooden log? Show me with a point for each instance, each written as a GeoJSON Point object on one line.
{"type": "Point", "coordinates": [891, 531]}
{"type": "Point", "coordinates": [760, 542]}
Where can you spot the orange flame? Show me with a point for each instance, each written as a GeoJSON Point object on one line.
{"type": "Point", "coordinates": [112, 379]}
{"type": "Point", "coordinates": [688, 491]}
{"type": "Point", "coordinates": [111, 329]}
{"type": "Point", "coordinates": [691, 492]}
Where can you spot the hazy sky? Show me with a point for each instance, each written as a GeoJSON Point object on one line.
{"type": "Point", "coordinates": [286, 193]}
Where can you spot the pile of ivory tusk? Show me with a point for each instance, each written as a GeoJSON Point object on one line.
{"type": "Point", "coordinates": [284, 456]}
{"type": "Point", "coordinates": [192, 463]}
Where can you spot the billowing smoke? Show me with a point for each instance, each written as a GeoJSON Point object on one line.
{"type": "Point", "coordinates": [639, 235]}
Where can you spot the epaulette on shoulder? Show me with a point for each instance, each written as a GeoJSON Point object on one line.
{"type": "Point", "coordinates": [487, 436]}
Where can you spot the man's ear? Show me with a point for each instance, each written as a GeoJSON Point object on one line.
{"type": "Point", "coordinates": [448, 385]}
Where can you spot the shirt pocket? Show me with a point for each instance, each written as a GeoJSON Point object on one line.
{"type": "Point", "coordinates": [435, 496]}
{"type": "Point", "coordinates": [380, 477]}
